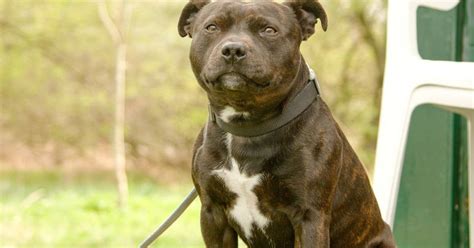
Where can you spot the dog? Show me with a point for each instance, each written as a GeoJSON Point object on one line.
{"type": "Point", "coordinates": [271, 165]}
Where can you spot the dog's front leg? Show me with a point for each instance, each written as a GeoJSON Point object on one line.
{"type": "Point", "coordinates": [311, 228]}
{"type": "Point", "coordinates": [216, 231]}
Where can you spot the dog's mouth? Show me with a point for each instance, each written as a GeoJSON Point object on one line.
{"type": "Point", "coordinates": [234, 81]}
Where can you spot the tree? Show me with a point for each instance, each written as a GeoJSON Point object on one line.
{"type": "Point", "coordinates": [118, 32]}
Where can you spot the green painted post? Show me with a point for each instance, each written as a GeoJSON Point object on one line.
{"type": "Point", "coordinates": [432, 206]}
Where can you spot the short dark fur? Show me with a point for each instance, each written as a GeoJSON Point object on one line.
{"type": "Point", "coordinates": [314, 189]}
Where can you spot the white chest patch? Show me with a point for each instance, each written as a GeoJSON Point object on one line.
{"type": "Point", "coordinates": [228, 112]}
{"type": "Point", "coordinates": [245, 210]}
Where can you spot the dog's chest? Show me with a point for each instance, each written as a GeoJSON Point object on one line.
{"type": "Point", "coordinates": [245, 210]}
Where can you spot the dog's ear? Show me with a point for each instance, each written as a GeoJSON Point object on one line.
{"type": "Point", "coordinates": [187, 16]}
{"type": "Point", "coordinates": [308, 12]}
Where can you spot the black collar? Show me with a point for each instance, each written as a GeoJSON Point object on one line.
{"type": "Point", "coordinates": [292, 110]}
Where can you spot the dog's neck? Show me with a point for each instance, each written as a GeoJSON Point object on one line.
{"type": "Point", "coordinates": [301, 79]}
{"type": "Point", "coordinates": [305, 90]}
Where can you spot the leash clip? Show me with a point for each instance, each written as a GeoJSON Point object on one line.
{"type": "Point", "coordinates": [212, 116]}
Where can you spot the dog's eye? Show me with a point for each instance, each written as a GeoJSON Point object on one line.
{"type": "Point", "coordinates": [212, 28]}
{"type": "Point", "coordinates": [270, 31]}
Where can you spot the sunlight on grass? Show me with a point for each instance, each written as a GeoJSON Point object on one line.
{"type": "Point", "coordinates": [50, 209]}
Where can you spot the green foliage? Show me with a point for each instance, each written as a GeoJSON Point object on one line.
{"type": "Point", "coordinates": [57, 64]}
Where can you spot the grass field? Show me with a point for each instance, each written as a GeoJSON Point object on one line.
{"type": "Point", "coordinates": [64, 209]}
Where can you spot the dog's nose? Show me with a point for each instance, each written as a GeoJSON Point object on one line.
{"type": "Point", "coordinates": [233, 51]}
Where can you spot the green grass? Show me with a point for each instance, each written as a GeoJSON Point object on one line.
{"type": "Point", "coordinates": [59, 209]}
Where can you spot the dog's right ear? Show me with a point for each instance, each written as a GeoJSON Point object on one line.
{"type": "Point", "coordinates": [187, 16]}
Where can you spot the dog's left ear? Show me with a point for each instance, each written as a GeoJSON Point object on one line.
{"type": "Point", "coordinates": [308, 12]}
{"type": "Point", "coordinates": [187, 16]}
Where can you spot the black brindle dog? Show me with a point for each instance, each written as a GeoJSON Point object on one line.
{"type": "Point", "coordinates": [266, 169]}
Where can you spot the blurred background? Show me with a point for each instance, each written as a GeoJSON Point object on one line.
{"type": "Point", "coordinates": [99, 110]}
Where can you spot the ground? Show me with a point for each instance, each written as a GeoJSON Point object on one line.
{"type": "Point", "coordinates": [57, 208]}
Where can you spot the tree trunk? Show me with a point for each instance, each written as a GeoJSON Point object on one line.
{"type": "Point", "coordinates": [119, 132]}
{"type": "Point", "coordinates": [117, 32]}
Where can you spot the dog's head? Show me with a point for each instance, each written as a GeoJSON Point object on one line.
{"type": "Point", "coordinates": [246, 54]}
